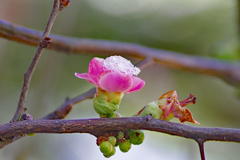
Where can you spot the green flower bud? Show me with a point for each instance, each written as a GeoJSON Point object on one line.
{"type": "Point", "coordinates": [125, 146]}
{"type": "Point", "coordinates": [112, 153]}
{"type": "Point", "coordinates": [106, 103]}
{"type": "Point", "coordinates": [151, 108]}
{"type": "Point", "coordinates": [112, 140]}
{"type": "Point", "coordinates": [136, 136]}
{"type": "Point", "coordinates": [120, 135]}
{"type": "Point", "coordinates": [106, 147]}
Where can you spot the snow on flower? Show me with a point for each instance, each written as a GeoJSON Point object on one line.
{"type": "Point", "coordinates": [113, 74]}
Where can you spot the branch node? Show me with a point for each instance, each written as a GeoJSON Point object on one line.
{"type": "Point", "coordinates": [45, 42]}
{"type": "Point", "coordinates": [149, 117]}
{"type": "Point", "coordinates": [63, 4]}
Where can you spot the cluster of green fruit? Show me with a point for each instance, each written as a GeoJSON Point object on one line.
{"type": "Point", "coordinates": [107, 144]}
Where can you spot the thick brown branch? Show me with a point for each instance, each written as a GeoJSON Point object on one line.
{"type": "Point", "coordinates": [44, 43]}
{"type": "Point", "coordinates": [59, 113]}
{"type": "Point", "coordinates": [223, 69]}
{"type": "Point", "coordinates": [96, 126]}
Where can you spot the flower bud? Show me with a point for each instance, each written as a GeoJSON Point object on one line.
{"type": "Point", "coordinates": [125, 146]}
{"type": "Point", "coordinates": [25, 116]}
{"type": "Point", "coordinates": [112, 140]}
{"type": "Point", "coordinates": [120, 135]}
{"type": "Point", "coordinates": [151, 108]}
{"type": "Point", "coordinates": [110, 154]}
{"type": "Point", "coordinates": [136, 137]}
{"type": "Point", "coordinates": [106, 147]}
{"type": "Point", "coordinates": [106, 103]}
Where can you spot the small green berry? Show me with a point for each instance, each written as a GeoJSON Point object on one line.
{"type": "Point", "coordinates": [136, 136]}
{"type": "Point", "coordinates": [106, 147]}
{"type": "Point", "coordinates": [112, 140]}
{"type": "Point", "coordinates": [112, 153]}
{"type": "Point", "coordinates": [120, 135]}
{"type": "Point", "coordinates": [125, 146]}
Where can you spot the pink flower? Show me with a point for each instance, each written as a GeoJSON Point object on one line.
{"type": "Point", "coordinates": [113, 74]}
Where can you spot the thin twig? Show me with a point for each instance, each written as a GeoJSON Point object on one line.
{"type": "Point", "coordinates": [100, 125]}
{"type": "Point", "coordinates": [201, 148]}
{"type": "Point", "coordinates": [44, 43]}
{"type": "Point", "coordinates": [227, 70]}
{"type": "Point", "coordinates": [66, 107]}
{"type": "Point", "coordinates": [148, 61]}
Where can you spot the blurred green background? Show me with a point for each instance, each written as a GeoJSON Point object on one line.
{"type": "Point", "coordinates": [204, 28]}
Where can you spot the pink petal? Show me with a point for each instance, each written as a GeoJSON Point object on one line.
{"type": "Point", "coordinates": [116, 82]}
{"type": "Point", "coordinates": [95, 68]}
{"type": "Point", "coordinates": [87, 77]}
{"type": "Point", "coordinates": [138, 84]}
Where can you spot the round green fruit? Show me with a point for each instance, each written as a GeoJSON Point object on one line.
{"type": "Point", "coordinates": [112, 153]}
{"type": "Point", "coordinates": [106, 147]}
{"type": "Point", "coordinates": [125, 146]}
{"type": "Point", "coordinates": [136, 136]}
{"type": "Point", "coordinates": [120, 135]}
{"type": "Point", "coordinates": [112, 140]}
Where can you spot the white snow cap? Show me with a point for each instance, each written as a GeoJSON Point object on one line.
{"type": "Point", "coordinates": [120, 64]}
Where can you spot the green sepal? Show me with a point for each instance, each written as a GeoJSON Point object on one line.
{"type": "Point", "coordinates": [106, 103]}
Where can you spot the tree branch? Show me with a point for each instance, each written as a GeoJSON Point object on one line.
{"type": "Point", "coordinates": [201, 148]}
{"type": "Point", "coordinates": [59, 113]}
{"type": "Point", "coordinates": [229, 71]}
{"type": "Point", "coordinates": [66, 107]}
{"type": "Point", "coordinates": [97, 126]}
{"type": "Point", "coordinates": [44, 43]}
